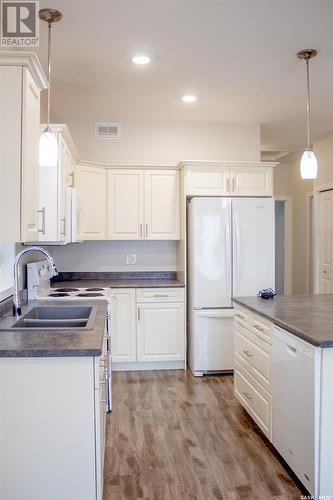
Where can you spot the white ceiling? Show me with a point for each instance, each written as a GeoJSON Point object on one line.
{"type": "Point", "coordinates": [237, 56]}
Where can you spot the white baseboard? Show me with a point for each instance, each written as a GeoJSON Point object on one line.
{"type": "Point", "coordinates": [157, 365]}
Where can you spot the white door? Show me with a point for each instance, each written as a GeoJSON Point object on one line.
{"type": "Point", "coordinates": [30, 154]}
{"type": "Point", "coordinates": [123, 326]}
{"type": "Point", "coordinates": [211, 340]}
{"type": "Point", "coordinates": [125, 202]}
{"type": "Point", "coordinates": [162, 205]}
{"type": "Point", "coordinates": [207, 181]}
{"type": "Point", "coordinates": [92, 186]}
{"type": "Point", "coordinates": [251, 181]}
{"type": "Point", "coordinates": [160, 332]}
{"type": "Point", "coordinates": [253, 245]}
{"type": "Point", "coordinates": [209, 252]}
{"type": "Point", "coordinates": [326, 241]}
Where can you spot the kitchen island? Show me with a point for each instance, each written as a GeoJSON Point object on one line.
{"type": "Point", "coordinates": [284, 376]}
{"type": "Point", "coordinates": [52, 399]}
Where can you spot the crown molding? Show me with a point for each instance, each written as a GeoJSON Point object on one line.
{"type": "Point", "coordinates": [28, 60]}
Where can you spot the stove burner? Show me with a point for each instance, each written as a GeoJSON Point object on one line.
{"type": "Point", "coordinates": [89, 294]}
{"type": "Point", "coordinates": [67, 290]}
{"type": "Point", "coordinates": [94, 289]}
{"type": "Point", "coordinates": [58, 295]}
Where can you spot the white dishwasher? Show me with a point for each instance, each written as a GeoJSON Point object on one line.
{"type": "Point", "coordinates": [295, 404]}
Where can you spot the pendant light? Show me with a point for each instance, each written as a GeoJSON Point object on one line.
{"type": "Point", "coordinates": [48, 143]}
{"type": "Point", "coordinates": [309, 164]}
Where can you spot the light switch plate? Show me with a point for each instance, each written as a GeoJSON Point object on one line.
{"type": "Point", "coordinates": [131, 259]}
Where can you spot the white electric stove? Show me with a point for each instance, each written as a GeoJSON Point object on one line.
{"type": "Point", "coordinates": [39, 288]}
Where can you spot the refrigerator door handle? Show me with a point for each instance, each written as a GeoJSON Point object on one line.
{"type": "Point", "coordinates": [216, 314]}
{"type": "Point", "coordinates": [227, 256]}
{"type": "Point", "coordinates": [236, 251]}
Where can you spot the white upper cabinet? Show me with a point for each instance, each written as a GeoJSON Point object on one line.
{"type": "Point", "coordinates": [92, 192]}
{"type": "Point", "coordinates": [207, 181]}
{"type": "Point", "coordinates": [125, 202]}
{"type": "Point", "coordinates": [233, 179]}
{"type": "Point", "coordinates": [251, 181]}
{"type": "Point", "coordinates": [21, 79]}
{"type": "Point", "coordinates": [143, 204]}
{"type": "Point", "coordinates": [162, 205]}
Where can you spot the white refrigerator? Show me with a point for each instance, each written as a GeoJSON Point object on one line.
{"type": "Point", "coordinates": [230, 253]}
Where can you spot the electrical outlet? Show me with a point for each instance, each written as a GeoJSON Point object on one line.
{"type": "Point", "coordinates": [131, 259]}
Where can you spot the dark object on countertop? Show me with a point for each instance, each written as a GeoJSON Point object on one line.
{"type": "Point", "coordinates": [267, 293]}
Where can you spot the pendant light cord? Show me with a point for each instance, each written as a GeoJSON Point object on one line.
{"type": "Point", "coordinates": [308, 102]}
{"type": "Point", "coordinates": [49, 75]}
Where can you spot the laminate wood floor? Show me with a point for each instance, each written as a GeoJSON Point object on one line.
{"type": "Point", "coordinates": [171, 436]}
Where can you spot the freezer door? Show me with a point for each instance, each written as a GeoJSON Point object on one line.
{"type": "Point", "coordinates": [253, 245]}
{"type": "Point", "coordinates": [209, 252]}
{"type": "Point", "coordinates": [211, 341]}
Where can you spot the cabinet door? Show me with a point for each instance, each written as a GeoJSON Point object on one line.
{"type": "Point", "coordinates": [207, 181]}
{"type": "Point", "coordinates": [30, 154]}
{"type": "Point", "coordinates": [123, 327]}
{"type": "Point", "coordinates": [92, 188]}
{"type": "Point", "coordinates": [125, 201]}
{"type": "Point", "coordinates": [160, 332]}
{"type": "Point", "coordinates": [251, 181]}
{"type": "Point", "coordinates": [162, 205]}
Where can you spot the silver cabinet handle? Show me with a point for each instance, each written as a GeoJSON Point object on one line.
{"type": "Point", "coordinates": [248, 353]}
{"type": "Point", "coordinates": [240, 316]}
{"type": "Point", "coordinates": [141, 231]}
{"type": "Point", "coordinates": [43, 212]}
{"type": "Point", "coordinates": [72, 175]}
{"type": "Point", "coordinates": [64, 221]}
{"type": "Point", "coordinates": [161, 296]}
{"type": "Point", "coordinates": [233, 184]}
{"type": "Point", "coordinates": [146, 229]}
{"type": "Point", "coordinates": [247, 395]}
{"type": "Point", "coordinates": [258, 327]}
{"type": "Point", "coordinates": [139, 315]}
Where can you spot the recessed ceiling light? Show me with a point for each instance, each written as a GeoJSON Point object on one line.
{"type": "Point", "coordinates": [141, 59]}
{"type": "Point", "coordinates": [189, 98]}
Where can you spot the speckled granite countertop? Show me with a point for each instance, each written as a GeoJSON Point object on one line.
{"type": "Point", "coordinates": [164, 279]}
{"type": "Point", "coordinates": [309, 317]}
{"type": "Point", "coordinates": [52, 343]}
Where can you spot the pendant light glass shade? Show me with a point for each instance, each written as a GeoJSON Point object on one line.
{"type": "Point", "coordinates": [48, 149]}
{"type": "Point", "coordinates": [309, 165]}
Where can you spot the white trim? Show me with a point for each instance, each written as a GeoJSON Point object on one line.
{"type": "Point", "coordinates": [197, 163]}
{"type": "Point", "coordinates": [310, 243]}
{"type": "Point", "coordinates": [84, 163]}
{"type": "Point", "coordinates": [28, 60]}
{"type": "Point", "coordinates": [288, 256]}
{"type": "Point", "coordinates": [156, 365]}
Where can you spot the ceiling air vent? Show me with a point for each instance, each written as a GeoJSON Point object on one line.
{"type": "Point", "coordinates": [107, 130]}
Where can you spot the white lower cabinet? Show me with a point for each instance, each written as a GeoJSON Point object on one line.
{"type": "Point", "coordinates": [123, 325]}
{"type": "Point", "coordinates": [148, 328]}
{"type": "Point", "coordinates": [252, 355]}
{"type": "Point", "coordinates": [52, 428]}
{"type": "Point", "coordinates": [160, 334]}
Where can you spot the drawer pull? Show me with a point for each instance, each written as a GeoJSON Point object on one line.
{"type": "Point", "coordinates": [248, 353]}
{"type": "Point", "coordinates": [247, 395]}
{"type": "Point", "coordinates": [240, 316]}
{"type": "Point", "coordinates": [260, 328]}
{"type": "Point", "coordinates": [161, 296]}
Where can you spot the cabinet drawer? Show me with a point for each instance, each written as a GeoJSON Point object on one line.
{"type": "Point", "coordinates": [243, 316]}
{"type": "Point", "coordinates": [160, 295]}
{"type": "Point", "coordinates": [262, 328]}
{"type": "Point", "coordinates": [254, 354]}
{"type": "Point", "coordinates": [254, 398]}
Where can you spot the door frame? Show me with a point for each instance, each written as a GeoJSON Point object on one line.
{"type": "Point", "coordinates": [288, 254]}
{"type": "Point", "coordinates": [310, 243]}
{"type": "Point", "coordinates": [316, 232]}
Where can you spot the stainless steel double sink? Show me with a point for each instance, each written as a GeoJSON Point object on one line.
{"type": "Point", "coordinates": [53, 318]}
